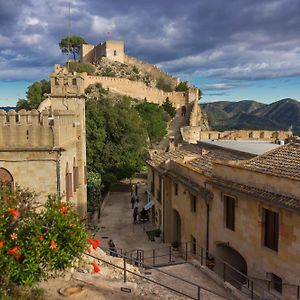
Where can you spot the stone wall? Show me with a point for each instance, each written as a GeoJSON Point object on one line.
{"type": "Point", "coordinates": [192, 134]}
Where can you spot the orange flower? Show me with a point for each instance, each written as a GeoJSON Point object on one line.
{"type": "Point", "coordinates": [63, 210]}
{"type": "Point", "coordinates": [14, 212]}
{"type": "Point", "coordinates": [94, 243]}
{"type": "Point", "coordinates": [89, 250]}
{"type": "Point", "coordinates": [1, 243]}
{"type": "Point", "coordinates": [96, 267]}
{"type": "Point", "coordinates": [14, 250]}
{"type": "Point", "coordinates": [53, 245]}
{"type": "Point", "coordinates": [41, 238]}
{"type": "Point", "coordinates": [14, 236]}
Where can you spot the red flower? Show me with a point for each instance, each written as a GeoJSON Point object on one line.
{"type": "Point", "coordinates": [53, 245]}
{"type": "Point", "coordinates": [14, 212]}
{"type": "Point", "coordinates": [41, 238]}
{"type": "Point", "coordinates": [14, 250]}
{"type": "Point", "coordinates": [63, 210]}
{"type": "Point", "coordinates": [96, 267]}
{"type": "Point", "coordinates": [89, 250]}
{"type": "Point", "coordinates": [1, 243]}
{"type": "Point", "coordinates": [94, 243]}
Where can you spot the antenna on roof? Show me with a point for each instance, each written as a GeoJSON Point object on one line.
{"type": "Point", "coordinates": [69, 34]}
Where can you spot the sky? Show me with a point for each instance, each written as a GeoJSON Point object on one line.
{"type": "Point", "coordinates": [231, 49]}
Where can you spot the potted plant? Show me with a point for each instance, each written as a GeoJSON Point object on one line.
{"type": "Point", "coordinates": [157, 235]}
{"type": "Point", "coordinates": [175, 245]}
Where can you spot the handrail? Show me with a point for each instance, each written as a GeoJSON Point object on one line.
{"type": "Point", "coordinates": [153, 281]}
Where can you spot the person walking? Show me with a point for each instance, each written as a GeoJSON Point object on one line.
{"type": "Point", "coordinates": [135, 215]}
{"type": "Point", "coordinates": [132, 201]}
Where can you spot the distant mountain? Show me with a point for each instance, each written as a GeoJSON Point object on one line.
{"type": "Point", "coordinates": [248, 114]}
{"type": "Point", "coordinates": [7, 108]}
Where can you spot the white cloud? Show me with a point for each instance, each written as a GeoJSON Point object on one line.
{"type": "Point", "coordinates": [32, 21]}
{"type": "Point", "coordinates": [31, 39]}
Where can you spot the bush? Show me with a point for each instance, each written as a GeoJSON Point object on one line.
{"type": "Point", "coordinates": [162, 84]}
{"type": "Point", "coordinates": [36, 241]}
{"type": "Point", "coordinates": [79, 67]}
{"type": "Point", "coordinates": [169, 108]}
{"type": "Point", "coordinates": [182, 87]}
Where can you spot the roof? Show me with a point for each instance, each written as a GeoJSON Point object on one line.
{"type": "Point", "coordinates": [204, 162]}
{"type": "Point", "coordinates": [249, 146]}
{"type": "Point", "coordinates": [199, 161]}
{"type": "Point", "coordinates": [270, 197]}
{"type": "Point", "coordinates": [283, 162]}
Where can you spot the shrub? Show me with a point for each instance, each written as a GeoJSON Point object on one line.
{"type": "Point", "coordinates": [182, 87]}
{"type": "Point", "coordinates": [162, 84]}
{"type": "Point", "coordinates": [79, 67]}
{"type": "Point", "coordinates": [36, 241]}
{"type": "Point", "coordinates": [169, 108]}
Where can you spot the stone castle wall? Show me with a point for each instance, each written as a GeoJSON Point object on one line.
{"type": "Point", "coordinates": [192, 134]}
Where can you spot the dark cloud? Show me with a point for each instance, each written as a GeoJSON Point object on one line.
{"type": "Point", "coordinates": [213, 38]}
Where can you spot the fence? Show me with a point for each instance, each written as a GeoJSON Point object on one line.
{"type": "Point", "coordinates": [254, 288]}
{"type": "Point", "coordinates": [196, 291]}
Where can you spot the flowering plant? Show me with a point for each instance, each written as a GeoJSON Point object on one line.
{"type": "Point", "coordinates": [36, 240]}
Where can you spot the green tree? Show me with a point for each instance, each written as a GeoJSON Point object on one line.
{"type": "Point", "coordinates": [155, 120]}
{"type": "Point", "coordinates": [182, 87]}
{"type": "Point", "coordinates": [163, 85]}
{"type": "Point", "coordinates": [34, 95]}
{"type": "Point", "coordinates": [116, 136]}
{"type": "Point", "coordinates": [71, 44]}
{"type": "Point", "coordinates": [169, 108]}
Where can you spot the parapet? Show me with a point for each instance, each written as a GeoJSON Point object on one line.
{"type": "Point", "coordinates": [33, 129]}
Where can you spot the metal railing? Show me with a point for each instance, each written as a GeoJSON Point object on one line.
{"type": "Point", "coordinates": [195, 288]}
{"type": "Point", "coordinates": [254, 288]}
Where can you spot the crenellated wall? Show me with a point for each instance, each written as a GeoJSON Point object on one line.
{"type": "Point", "coordinates": [32, 129]}
{"type": "Point", "coordinates": [192, 134]}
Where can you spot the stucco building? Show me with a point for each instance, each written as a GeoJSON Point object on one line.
{"type": "Point", "coordinates": [233, 207]}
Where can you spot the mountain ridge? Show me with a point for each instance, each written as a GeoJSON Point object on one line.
{"type": "Point", "coordinates": [250, 114]}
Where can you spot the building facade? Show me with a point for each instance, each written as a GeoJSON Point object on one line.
{"type": "Point", "coordinates": [236, 208]}
{"type": "Point", "coordinates": [44, 149]}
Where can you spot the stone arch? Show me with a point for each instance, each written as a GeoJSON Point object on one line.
{"type": "Point", "coordinates": [236, 270]}
{"type": "Point", "coordinates": [6, 179]}
{"type": "Point", "coordinates": [176, 227]}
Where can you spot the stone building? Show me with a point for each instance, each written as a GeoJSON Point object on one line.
{"type": "Point", "coordinates": [44, 149]}
{"type": "Point", "coordinates": [238, 210]}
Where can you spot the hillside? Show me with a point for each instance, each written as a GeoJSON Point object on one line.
{"type": "Point", "coordinates": [248, 114]}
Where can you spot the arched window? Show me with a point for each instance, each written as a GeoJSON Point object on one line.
{"type": "Point", "coordinates": [69, 189]}
{"type": "Point", "coordinates": [75, 175]}
{"type": "Point", "coordinates": [6, 179]}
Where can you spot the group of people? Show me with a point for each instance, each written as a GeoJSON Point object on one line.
{"type": "Point", "coordinates": [138, 216]}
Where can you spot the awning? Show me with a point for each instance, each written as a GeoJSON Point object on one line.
{"type": "Point", "coordinates": [149, 204]}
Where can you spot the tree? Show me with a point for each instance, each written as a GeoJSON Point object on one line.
{"type": "Point", "coordinates": [155, 120]}
{"type": "Point", "coordinates": [71, 44]}
{"type": "Point", "coordinates": [116, 136]}
{"type": "Point", "coordinates": [169, 108]}
{"type": "Point", "coordinates": [163, 85]}
{"type": "Point", "coordinates": [34, 95]}
{"type": "Point", "coordinates": [182, 87]}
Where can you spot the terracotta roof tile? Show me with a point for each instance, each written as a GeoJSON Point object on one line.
{"type": "Point", "coordinates": [283, 161]}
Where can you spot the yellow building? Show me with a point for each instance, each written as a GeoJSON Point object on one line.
{"type": "Point", "coordinates": [44, 149]}
{"type": "Point", "coordinates": [240, 211]}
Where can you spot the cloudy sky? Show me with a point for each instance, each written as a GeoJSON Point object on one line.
{"type": "Point", "coordinates": [231, 49]}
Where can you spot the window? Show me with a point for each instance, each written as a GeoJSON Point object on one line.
{"type": "Point", "coordinates": [271, 229]}
{"type": "Point", "coordinates": [276, 283]}
{"type": "Point", "coordinates": [115, 52]}
{"type": "Point", "coordinates": [68, 185]}
{"type": "Point", "coordinates": [229, 212]}
{"type": "Point", "coordinates": [74, 81]}
{"type": "Point", "coordinates": [193, 245]}
{"type": "Point", "coordinates": [75, 178]}
{"type": "Point", "coordinates": [176, 188]}
{"type": "Point", "coordinates": [193, 203]}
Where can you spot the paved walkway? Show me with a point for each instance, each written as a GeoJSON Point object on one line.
{"type": "Point", "coordinates": [116, 223]}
